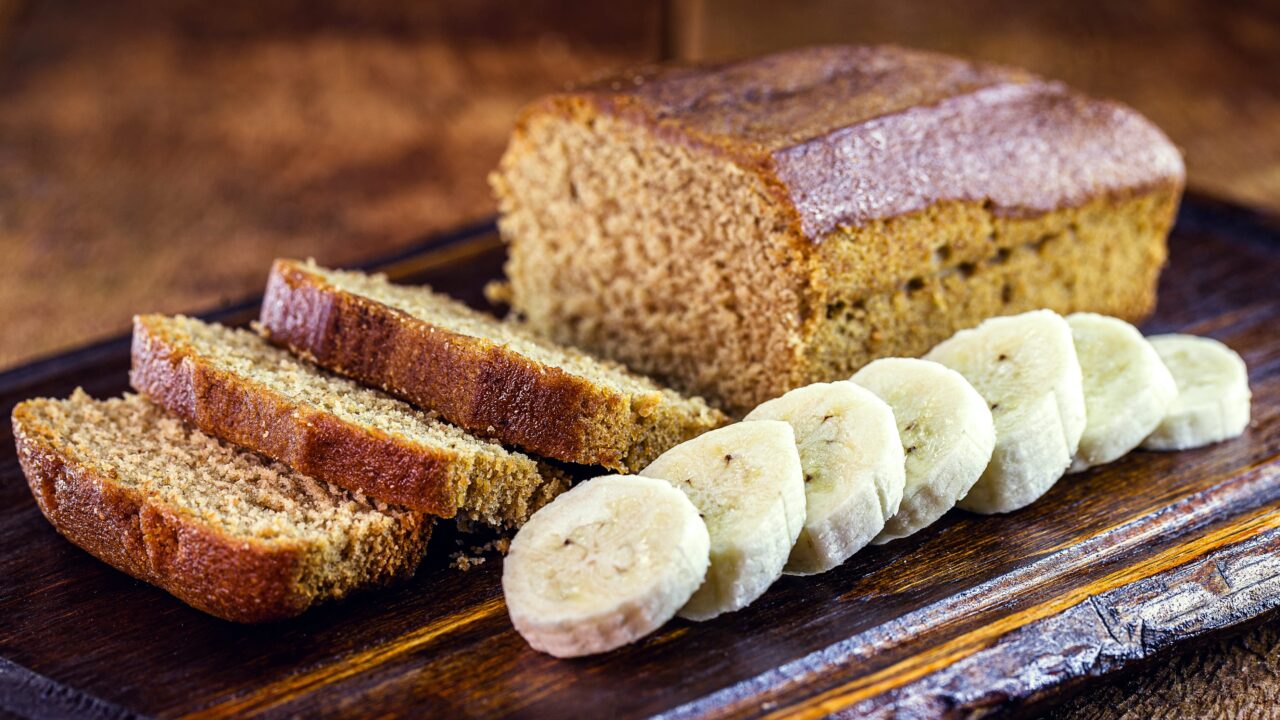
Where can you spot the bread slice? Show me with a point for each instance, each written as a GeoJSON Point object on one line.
{"type": "Point", "coordinates": [490, 377]}
{"type": "Point", "coordinates": [234, 385]}
{"type": "Point", "coordinates": [220, 528]}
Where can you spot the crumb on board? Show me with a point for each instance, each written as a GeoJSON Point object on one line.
{"type": "Point", "coordinates": [475, 555]}
{"type": "Point", "coordinates": [498, 292]}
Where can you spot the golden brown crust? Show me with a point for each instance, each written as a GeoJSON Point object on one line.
{"type": "Point", "coordinates": [231, 578]}
{"type": "Point", "coordinates": [312, 442]}
{"type": "Point", "coordinates": [844, 135]}
{"type": "Point", "coordinates": [474, 383]}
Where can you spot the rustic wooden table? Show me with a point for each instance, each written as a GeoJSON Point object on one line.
{"type": "Point", "coordinates": [156, 155]}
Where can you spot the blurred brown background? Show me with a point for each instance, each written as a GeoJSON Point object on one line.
{"type": "Point", "coordinates": [157, 155]}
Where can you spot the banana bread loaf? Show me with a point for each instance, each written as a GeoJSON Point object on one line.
{"type": "Point", "coordinates": [220, 528]}
{"type": "Point", "coordinates": [743, 229]}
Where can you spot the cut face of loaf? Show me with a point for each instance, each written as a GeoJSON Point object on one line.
{"type": "Point", "coordinates": [236, 386]}
{"type": "Point", "coordinates": [490, 377]}
{"type": "Point", "coordinates": [744, 229]}
{"type": "Point", "coordinates": [222, 529]}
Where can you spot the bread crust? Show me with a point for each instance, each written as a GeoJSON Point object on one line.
{"type": "Point", "coordinates": [311, 441]}
{"type": "Point", "coordinates": [474, 383]}
{"type": "Point", "coordinates": [239, 580]}
{"type": "Point", "coordinates": [812, 123]}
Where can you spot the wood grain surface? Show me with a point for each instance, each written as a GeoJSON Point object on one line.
{"type": "Point", "coordinates": [973, 615]}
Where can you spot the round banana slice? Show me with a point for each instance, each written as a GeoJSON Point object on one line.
{"type": "Point", "coordinates": [1213, 393]}
{"type": "Point", "coordinates": [853, 469]}
{"type": "Point", "coordinates": [603, 565]}
{"type": "Point", "coordinates": [947, 432]}
{"type": "Point", "coordinates": [745, 480]}
{"type": "Point", "coordinates": [1127, 389]}
{"type": "Point", "coordinates": [1025, 367]}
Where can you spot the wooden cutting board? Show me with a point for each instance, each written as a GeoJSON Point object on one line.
{"type": "Point", "coordinates": [974, 614]}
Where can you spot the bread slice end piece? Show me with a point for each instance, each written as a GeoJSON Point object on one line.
{"type": "Point", "coordinates": [158, 500]}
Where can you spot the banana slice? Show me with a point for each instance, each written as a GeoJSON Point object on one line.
{"type": "Point", "coordinates": [946, 429]}
{"type": "Point", "coordinates": [603, 565]}
{"type": "Point", "coordinates": [1025, 366]}
{"type": "Point", "coordinates": [745, 480]}
{"type": "Point", "coordinates": [853, 469]}
{"type": "Point", "coordinates": [1127, 389]}
{"type": "Point", "coordinates": [1213, 393]}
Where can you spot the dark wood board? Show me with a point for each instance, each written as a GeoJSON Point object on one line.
{"type": "Point", "coordinates": [976, 613]}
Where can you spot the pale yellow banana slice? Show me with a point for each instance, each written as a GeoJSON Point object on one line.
{"type": "Point", "coordinates": [946, 430]}
{"type": "Point", "coordinates": [604, 564]}
{"type": "Point", "coordinates": [1025, 367]}
{"type": "Point", "coordinates": [853, 469]}
{"type": "Point", "coordinates": [1127, 389]}
{"type": "Point", "coordinates": [1213, 393]}
{"type": "Point", "coordinates": [745, 480]}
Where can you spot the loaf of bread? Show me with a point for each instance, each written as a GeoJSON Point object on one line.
{"type": "Point", "coordinates": [743, 229]}
{"type": "Point", "coordinates": [218, 527]}
{"type": "Point", "coordinates": [490, 377]}
{"type": "Point", "coordinates": [236, 386]}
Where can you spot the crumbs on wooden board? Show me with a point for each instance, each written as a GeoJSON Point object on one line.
{"type": "Point", "coordinates": [475, 555]}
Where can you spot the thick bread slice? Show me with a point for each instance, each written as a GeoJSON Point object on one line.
{"type": "Point", "coordinates": [234, 385]}
{"type": "Point", "coordinates": [222, 529]}
{"type": "Point", "coordinates": [490, 377]}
